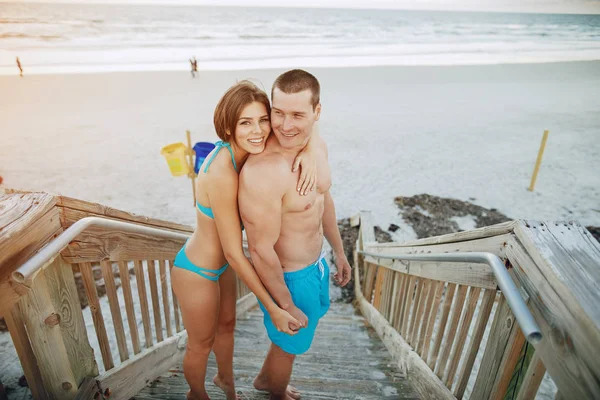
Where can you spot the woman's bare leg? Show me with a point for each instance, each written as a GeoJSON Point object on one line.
{"type": "Point", "coordinates": [223, 346]}
{"type": "Point", "coordinates": [199, 302]}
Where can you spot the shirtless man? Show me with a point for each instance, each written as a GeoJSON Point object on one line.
{"type": "Point", "coordinates": [285, 231]}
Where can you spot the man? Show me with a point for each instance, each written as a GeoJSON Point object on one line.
{"type": "Point", "coordinates": [285, 230]}
{"type": "Point", "coordinates": [20, 67]}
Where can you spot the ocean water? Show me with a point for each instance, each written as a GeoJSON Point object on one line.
{"type": "Point", "coordinates": [63, 38]}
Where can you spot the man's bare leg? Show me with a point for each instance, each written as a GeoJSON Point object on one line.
{"type": "Point", "coordinates": [274, 376]}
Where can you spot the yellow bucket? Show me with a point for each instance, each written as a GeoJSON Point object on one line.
{"type": "Point", "coordinates": [176, 158]}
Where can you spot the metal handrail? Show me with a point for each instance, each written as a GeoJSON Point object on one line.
{"type": "Point", "coordinates": [530, 328]}
{"type": "Point", "coordinates": [36, 262]}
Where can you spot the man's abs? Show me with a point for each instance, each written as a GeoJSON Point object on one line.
{"type": "Point", "coordinates": [301, 237]}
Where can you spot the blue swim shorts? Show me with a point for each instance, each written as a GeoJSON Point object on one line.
{"type": "Point", "coordinates": [309, 288]}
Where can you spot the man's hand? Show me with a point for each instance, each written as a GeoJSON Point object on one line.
{"type": "Point", "coordinates": [344, 272]}
{"type": "Point", "coordinates": [300, 316]}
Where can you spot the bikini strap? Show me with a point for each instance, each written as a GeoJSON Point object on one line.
{"type": "Point", "coordinates": [218, 146]}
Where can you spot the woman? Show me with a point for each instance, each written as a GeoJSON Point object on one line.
{"type": "Point", "coordinates": [204, 285]}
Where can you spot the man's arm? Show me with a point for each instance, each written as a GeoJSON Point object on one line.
{"type": "Point", "coordinates": [260, 199]}
{"type": "Point", "coordinates": [332, 234]}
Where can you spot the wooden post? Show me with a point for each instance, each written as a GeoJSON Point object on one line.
{"type": "Point", "coordinates": [192, 174]}
{"type": "Point", "coordinates": [43, 321]}
{"type": "Point", "coordinates": [538, 161]}
{"type": "Point", "coordinates": [17, 330]}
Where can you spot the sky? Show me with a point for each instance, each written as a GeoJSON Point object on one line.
{"type": "Point", "coordinates": [544, 6]}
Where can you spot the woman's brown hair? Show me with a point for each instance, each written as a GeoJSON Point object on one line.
{"type": "Point", "coordinates": [230, 107]}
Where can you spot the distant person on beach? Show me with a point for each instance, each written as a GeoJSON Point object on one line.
{"type": "Point", "coordinates": [202, 281]}
{"type": "Point", "coordinates": [285, 231]}
{"type": "Point", "coordinates": [194, 66]}
{"type": "Point", "coordinates": [20, 67]}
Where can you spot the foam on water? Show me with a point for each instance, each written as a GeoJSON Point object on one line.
{"type": "Point", "coordinates": [70, 38]}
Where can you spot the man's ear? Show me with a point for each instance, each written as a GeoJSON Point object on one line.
{"type": "Point", "coordinates": [318, 111]}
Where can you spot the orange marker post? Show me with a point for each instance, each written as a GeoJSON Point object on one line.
{"type": "Point", "coordinates": [539, 161]}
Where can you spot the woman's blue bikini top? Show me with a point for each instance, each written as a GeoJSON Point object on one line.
{"type": "Point", "coordinates": [219, 145]}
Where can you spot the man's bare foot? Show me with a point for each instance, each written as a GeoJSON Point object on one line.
{"type": "Point", "coordinates": [190, 396]}
{"type": "Point", "coordinates": [227, 388]}
{"type": "Point", "coordinates": [291, 392]}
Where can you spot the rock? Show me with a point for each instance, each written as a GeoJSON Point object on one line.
{"type": "Point", "coordinates": [432, 216]}
{"type": "Point", "coordinates": [3, 395]}
{"type": "Point", "coordinates": [23, 381]}
{"type": "Point", "coordinates": [393, 228]}
{"type": "Point", "coordinates": [349, 236]}
{"type": "Point", "coordinates": [595, 231]}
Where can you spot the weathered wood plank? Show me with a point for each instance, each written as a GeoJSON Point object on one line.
{"type": "Point", "coordinates": [115, 309]}
{"type": "Point", "coordinates": [439, 291]}
{"type": "Point", "coordinates": [408, 303]}
{"type": "Point", "coordinates": [31, 221]}
{"type": "Point", "coordinates": [97, 244]}
{"type": "Point", "coordinates": [402, 302]}
{"type": "Point", "coordinates": [178, 327]}
{"type": "Point", "coordinates": [165, 296]}
{"type": "Point", "coordinates": [533, 378]}
{"type": "Point", "coordinates": [482, 319]}
{"type": "Point", "coordinates": [141, 287]}
{"type": "Point", "coordinates": [133, 374]}
{"type": "Point", "coordinates": [501, 334]}
{"type": "Point", "coordinates": [468, 274]}
{"type": "Point", "coordinates": [414, 313]}
{"type": "Point", "coordinates": [480, 233]}
{"type": "Point", "coordinates": [128, 296]}
{"type": "Point", "coordinates": [448, 298]}
{"type": "Point", "coordinates": [509, 363]}
{"type": "Point", "coordinates": [90, 209]}
{"type": "Point", "coordinates": [96, 311]}
{"type": "Point", "coordinates": [423, 380]}
{"type": "Point", "coordinates": [471, 303]}
{"type": "Point", "coordinates": [88, 389]}
{"type": "Point", "coordinates": [155, 300]}
{"type": "Point", "coordinates": [18, 333]}
{"type": "Point", "coordinates": [558, 266]}
{"type": "Point", "coordinates": [64, 297]}
{"type": "Point", "coordinates": [378, 285]}
{"type": "Point", "coordinates": [448, 343]}
{"type": "Point", "coordinates": [42, 322]}
{"type": "Point", "coordinates": [396, 284]}
{"type": "Point", "coordinates": [418, 317]}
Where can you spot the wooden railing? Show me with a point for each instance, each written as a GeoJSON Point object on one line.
{"type": "Point", "coordinates": [434, 316]}
{"type": "Point", "coordinates": [44, 315]}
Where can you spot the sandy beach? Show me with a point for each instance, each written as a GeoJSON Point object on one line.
{"type": "Point", "coordinates": [468, 132]}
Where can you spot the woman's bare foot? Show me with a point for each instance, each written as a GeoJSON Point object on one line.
{"type": "Point", "coordinates": [227, 387]}
{"type": "Point", "coordinates": [190, 396]}
{"type": "Point", "coordinates": [291, 392]}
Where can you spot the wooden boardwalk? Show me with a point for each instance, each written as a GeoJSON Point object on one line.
{"type": "Point", "coordinates": [347, 361]}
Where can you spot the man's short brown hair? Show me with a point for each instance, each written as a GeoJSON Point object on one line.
{"type": "Point", "coordinates": [298, 80]}
{"type": "Point", "coordinates": [230, 107]}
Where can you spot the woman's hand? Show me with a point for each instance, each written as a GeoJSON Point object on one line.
{"type": "Point", "coordinates": [284, 322]}
{"type": "Point", "coordinates": [307, 161]}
